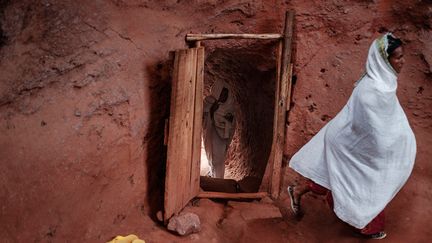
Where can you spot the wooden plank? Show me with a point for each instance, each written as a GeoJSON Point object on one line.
{"type": "Point", "coordinates": [289, 92]}
{"type": "Point", "coordinates": [197, 126]}
{"type": "Point", "coordinates": [199, 37]}
{"type": "Point", "coordinates": [180, 148]}
{"type": "Point", "coordinates": [179, 158]}
{"type": "Point", "coordinates": [187, 138]}
{"type": "Point", "coordinates": [272, 177]}
{"type": "Point", "coordinates": [170, 198]}
{"type": "Point", "coordinates": [227, 195]}
{"type": "Point", "coordinates": [281, 108]}
{"type": "Point", "coordinates": [266, 181]}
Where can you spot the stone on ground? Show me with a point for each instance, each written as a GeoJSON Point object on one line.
{"type": "Point", "coordinates": [185, 223]}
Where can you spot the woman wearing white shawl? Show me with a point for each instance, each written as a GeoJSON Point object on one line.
{"type": "Point", "coordinates": [366, 153]}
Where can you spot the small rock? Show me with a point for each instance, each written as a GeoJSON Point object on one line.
{"type": "Point", "coordinates": [185, 223]}
{"type": "Point", "coordinates": [159, 216]}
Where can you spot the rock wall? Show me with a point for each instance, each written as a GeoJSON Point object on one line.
{"type": "Point", "coordinates": [85, 86]}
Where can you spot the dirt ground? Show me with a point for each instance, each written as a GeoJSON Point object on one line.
{"type": "Point", "coordinates": [85, 89]}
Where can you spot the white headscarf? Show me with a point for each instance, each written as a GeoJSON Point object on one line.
{"type": "Point", "coordinates": [378, 66]}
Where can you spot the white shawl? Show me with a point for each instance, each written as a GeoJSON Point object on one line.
{"type": "Point", "coordinates": [367, 152]}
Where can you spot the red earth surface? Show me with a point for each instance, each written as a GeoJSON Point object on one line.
{"type": "Point", "coordinates": [85, 89]}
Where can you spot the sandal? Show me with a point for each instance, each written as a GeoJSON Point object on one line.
{"type": "Point", "coordinates": [377, 236]}
{"type": "Point", "coordinates": [295, 206]}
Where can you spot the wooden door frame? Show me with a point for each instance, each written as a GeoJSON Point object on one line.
{"type": "Point", "coordinates": [272, 178]}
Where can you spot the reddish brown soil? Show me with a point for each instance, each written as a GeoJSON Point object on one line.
{"type": "Point", "coordinates": [84, 91]}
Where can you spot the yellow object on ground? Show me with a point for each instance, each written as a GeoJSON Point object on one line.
{"type": "Point", "coordinates": [126, 239]}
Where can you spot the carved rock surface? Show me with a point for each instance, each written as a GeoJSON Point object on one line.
{"type": "Point", "coordinates": [85, 89]}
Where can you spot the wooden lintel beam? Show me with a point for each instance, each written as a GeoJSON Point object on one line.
{"type": "Point", "coordinates": [199, 37]}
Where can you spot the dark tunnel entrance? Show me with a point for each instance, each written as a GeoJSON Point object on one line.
{"type": "Point", "coordinates": [249, 69]}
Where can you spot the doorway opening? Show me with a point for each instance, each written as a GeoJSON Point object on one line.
{"type": "Point", "coordinates": [261, 93]}
{"type": "Point", "coordinates": [248, 70]}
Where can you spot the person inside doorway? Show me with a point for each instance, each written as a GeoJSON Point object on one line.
{"type": "Point", "coordinates": [218, 127]}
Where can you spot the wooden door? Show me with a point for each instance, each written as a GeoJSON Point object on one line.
{"type": "Point", "coordinates": [185, 126]}
{"type": "Point", "coordinates": [273, 174]}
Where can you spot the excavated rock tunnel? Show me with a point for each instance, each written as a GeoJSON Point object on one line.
{"type": "Point", "coordinates": [249, 67]}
